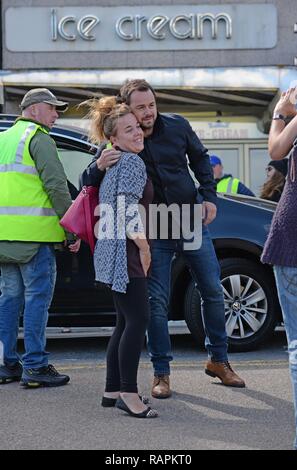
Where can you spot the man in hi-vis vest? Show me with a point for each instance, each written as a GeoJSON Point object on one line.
{"type": "Point", "coordinates": [33, 198]}
{"type": "Point", "coordinates": [226, 183]}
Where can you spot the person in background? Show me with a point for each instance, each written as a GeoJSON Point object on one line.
{"type": "Point", "coordinates": [276, 172]}
{"type": "Point", "coordinates": [280, 247]}
{"type": "Point", "coordinates": [225, 182]}
{"type": "Point", "coordinates": [33, 198]}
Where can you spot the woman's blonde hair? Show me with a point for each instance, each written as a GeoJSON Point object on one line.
{"type": "Point", "coordinates": [104, 114]}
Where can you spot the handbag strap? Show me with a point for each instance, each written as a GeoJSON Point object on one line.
{"type": "Point", "coordinates": [90, 228]}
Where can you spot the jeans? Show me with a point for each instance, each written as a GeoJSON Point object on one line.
{"type": "Point", "coordinates": [286, 281]}
{"type": "Point", "coordinates": [28, 286]}
{"type": "Point", "coordinates": [205, 270]}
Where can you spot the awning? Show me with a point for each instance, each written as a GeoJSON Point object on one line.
{"type": "Point", "coordinates": [229, 91]}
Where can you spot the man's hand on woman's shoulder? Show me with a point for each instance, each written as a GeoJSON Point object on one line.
{"type": "Point", "coordinates": [108, 158]}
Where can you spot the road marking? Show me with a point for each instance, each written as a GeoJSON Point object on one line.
{"type": "Point", "coordinates": [145, 365]}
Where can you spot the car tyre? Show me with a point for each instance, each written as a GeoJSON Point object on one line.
{"type": "Point", "coordinates": [237, 275]}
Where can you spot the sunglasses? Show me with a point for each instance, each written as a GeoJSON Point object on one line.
{"type": "Point", "coordinates": [269, 168]}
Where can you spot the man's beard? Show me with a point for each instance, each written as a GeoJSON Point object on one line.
{"type": "Point", "coordinates": [146, 126]}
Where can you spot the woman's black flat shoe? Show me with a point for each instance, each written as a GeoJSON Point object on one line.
{"type": "Point", "coordinates": [108, 402]}
{"type": "Point", "coordinates": [111, 402]}
{"type": "Point", "coordinates": [148, 413]}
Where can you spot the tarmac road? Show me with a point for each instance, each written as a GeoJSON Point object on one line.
{"type": "Point", "coordinates": [202, 414]}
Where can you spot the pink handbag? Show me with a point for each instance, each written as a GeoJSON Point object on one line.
{"type": "Point", "coordinates": [80, 217]}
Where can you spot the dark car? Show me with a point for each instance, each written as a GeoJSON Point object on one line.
{"type": "Point", "coordinates": [239, 232]}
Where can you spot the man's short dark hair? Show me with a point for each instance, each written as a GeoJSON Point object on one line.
{"type": "Point", "coordinates": [130, 86]}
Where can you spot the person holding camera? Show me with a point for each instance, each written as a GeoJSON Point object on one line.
{"type": "Point", "coordinates": [280, 247]}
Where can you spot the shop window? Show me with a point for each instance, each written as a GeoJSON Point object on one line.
{"type": "Point", "coordinates": [258, 160]}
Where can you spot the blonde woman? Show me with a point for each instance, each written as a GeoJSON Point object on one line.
{"type": "Point", "coordinates": [122, 255]}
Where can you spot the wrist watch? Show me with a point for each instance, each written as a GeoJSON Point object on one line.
{"type": "Point", "coordinates": [280, 117]}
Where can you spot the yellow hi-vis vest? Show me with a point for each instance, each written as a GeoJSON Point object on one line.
{"type": "Point", "coordinates": [26, 213]}
{"type": "Point", "coordinates": [228, 185]}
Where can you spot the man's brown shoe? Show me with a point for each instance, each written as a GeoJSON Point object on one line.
{"type": "Point", "coordinates": [161, 387]}
{"type": "Point", "coordinates": [225, 373]}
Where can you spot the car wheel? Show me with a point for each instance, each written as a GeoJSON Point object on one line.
{"type": "Point", "coordinates": [251, 305]}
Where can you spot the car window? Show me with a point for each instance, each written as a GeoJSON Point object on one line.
{"type": "Point", "coordinates": [74, 163]}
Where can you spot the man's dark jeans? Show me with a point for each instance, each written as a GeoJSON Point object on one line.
{"type": "Point", "coordinates": [206, 272]}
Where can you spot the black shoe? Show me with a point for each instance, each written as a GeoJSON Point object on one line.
{"type": "Point", "coordinates": [43, 377]}
{"type": "Point", "coordinates": [148, 413]}
{"type": "Point", "coordinates": [10, 373]}
{"type": "Point", "coordinates": [111, 402]}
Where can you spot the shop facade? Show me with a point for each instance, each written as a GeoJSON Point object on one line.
{"type": "Point", "coordinates": [222, 64]}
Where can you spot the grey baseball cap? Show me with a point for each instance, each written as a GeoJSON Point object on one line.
{"type": "Point", "coordinates": [42, 95]}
